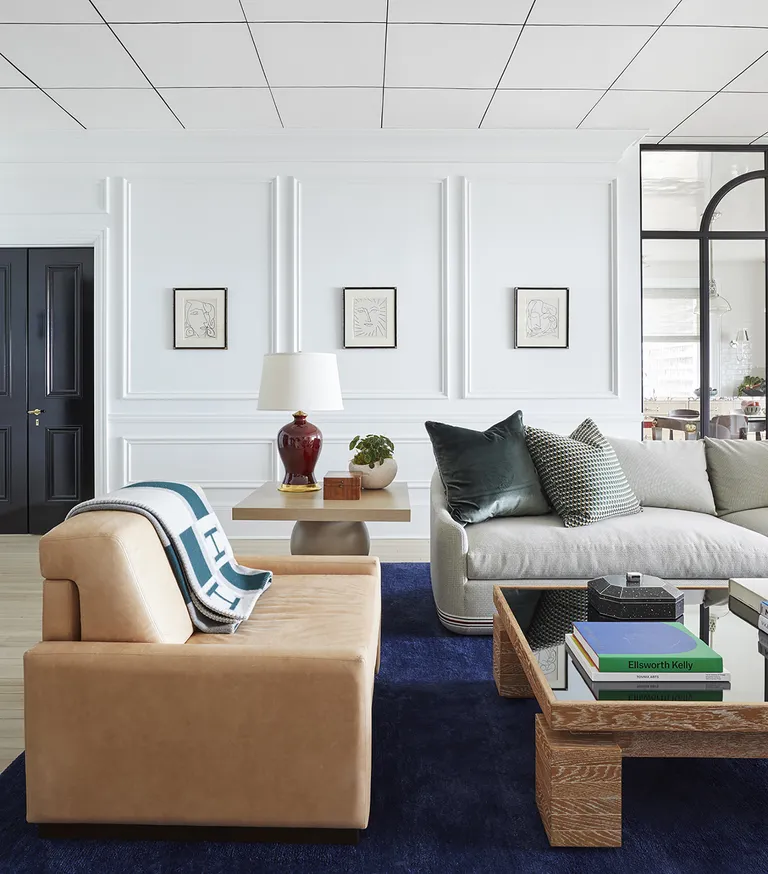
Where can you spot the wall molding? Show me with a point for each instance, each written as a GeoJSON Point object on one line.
{"type": "Point", "coordinates": [444, 340]}
{"type": "Point", "coordinates": [126, 444]}
{"type": "Point", "coordinates": [613, 303]}
{"type": "Point", "coordinates": [128, 392]}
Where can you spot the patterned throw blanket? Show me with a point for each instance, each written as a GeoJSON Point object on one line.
{"type": "Point", "coordinates": [219, 593]}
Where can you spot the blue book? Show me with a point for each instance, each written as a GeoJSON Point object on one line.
{"type": "Point", "coordinates": [662, 647]}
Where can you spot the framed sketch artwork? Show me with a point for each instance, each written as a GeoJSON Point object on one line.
{"type": "Point", "coordinates": [199, 318]}
{"type": "Point", "coordinates": [369, 318]}
{"type": "Point", "coordinates": [541, 318]}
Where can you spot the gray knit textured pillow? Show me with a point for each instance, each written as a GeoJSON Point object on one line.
{"type": "Point", "coordinates": [581, 475]}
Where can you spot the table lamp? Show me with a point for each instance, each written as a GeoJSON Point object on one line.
{"type": "Point", "coordinates": [300, 381]}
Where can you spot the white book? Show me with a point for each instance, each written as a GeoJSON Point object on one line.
{"type": "Point", "coordinates": [750, 591]}
{"type": "Point", "coordinates": [764, 608]}
{"type": "Point", "coordinates": [628, 676]}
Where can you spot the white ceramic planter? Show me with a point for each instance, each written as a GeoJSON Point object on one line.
{"type": "Point", "coordinates": [377, 477]}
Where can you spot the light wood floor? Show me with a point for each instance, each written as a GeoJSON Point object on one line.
{"type": "Point", "coordinates": [21, 589]}
{"type": "Point", "coordinates": [21, 609]}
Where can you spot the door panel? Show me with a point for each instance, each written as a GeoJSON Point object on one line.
{"type": "Point", "coordinates": [60, 383]}
{"type": "Point", "coordinates": [13, 391]}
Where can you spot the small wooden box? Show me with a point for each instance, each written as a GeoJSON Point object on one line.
{"type": "Point", "coordinates": [341, 485]}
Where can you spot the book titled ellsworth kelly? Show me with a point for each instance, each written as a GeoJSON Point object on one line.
{"type": "Point", "coordinates": [664, 649]}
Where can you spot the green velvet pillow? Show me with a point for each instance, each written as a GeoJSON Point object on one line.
{"type": "Point", "coordinates": [487, 473]}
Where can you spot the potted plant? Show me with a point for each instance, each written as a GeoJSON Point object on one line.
{"type": "Point", "coordinates": [752, 386]}
{"type": "Point", "coordinates": [373, 460]}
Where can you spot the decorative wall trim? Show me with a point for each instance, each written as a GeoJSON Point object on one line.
{"type": "Point", "coordinates": [128, 393]}
{"type": "Point", "coordinates": [295, 252]}
{"type": "Point", "coordinates": [126, 443]}
{"type": "Point", "coordinates": [275, 272]}
{"type": "Point", "coordinates": [613, 302]}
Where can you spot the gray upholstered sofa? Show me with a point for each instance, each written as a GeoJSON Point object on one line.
{"type": "Point", "coordinates": [705, 518]}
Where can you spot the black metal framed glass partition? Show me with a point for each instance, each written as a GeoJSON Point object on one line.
{"type": "Point", "coordinates": [704, 230]}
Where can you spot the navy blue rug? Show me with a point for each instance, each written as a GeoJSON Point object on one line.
{"type": "Point", "coordinates": [453, 786]}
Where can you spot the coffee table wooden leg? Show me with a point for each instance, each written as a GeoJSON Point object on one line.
{"type": "Point", "coordinates": [578, 788]}
{"type": "Point", "coordinates": [507, 672]}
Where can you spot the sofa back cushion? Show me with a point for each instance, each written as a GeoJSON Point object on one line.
{"type": "Point", "coordinates": [667, 473]}
{"type": "Point", "coordinates": [487, 473]}
{"type": "Point", "coordinates": [738, 471]}
{"type": "Point", "coordinates": [126, 589]}
{"type": "Point", "coordinates": [581, 475]}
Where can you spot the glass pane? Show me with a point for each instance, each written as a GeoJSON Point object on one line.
{"type": "Point", "coordinates": [737, 337]}
{"type": "Point", "coordinates": [677, 186]}
{"type": "Point", "coordinates": [671, 339]}
{"type": "Point", "coordinates": [742, 209]}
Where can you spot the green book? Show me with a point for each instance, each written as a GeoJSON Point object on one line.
{"type": "Point", "coordinates": [658, 695]}
{"type": "Point", "coordinates": [660, 647]}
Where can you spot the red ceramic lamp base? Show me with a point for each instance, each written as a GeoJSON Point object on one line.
{"type": "Point", "coordinates": [299, 444]}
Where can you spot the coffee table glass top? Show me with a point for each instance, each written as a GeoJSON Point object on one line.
{"type": "Point", "coordinates": [545, 616]}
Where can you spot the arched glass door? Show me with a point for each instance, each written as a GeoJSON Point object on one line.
{"type": "Point", "coordinates": [704, 244]}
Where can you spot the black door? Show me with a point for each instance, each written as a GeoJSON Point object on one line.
{"type": "Point", "coordinates": [51, 344]}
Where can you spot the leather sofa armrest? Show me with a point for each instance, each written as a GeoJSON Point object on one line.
{"type": "Point", "coordinates": [338, 565]}
{"type": "Point", "coordinates": [198, 735]}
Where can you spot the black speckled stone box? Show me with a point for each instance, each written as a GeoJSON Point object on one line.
{"type": "Point", "coordinates": [633, 597]}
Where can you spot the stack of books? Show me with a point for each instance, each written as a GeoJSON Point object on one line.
{"type": "Point", "coordinates": [647, 661]}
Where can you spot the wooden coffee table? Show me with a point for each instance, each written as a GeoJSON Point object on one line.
{"type": "Point", "coordinates": [581, 741]}
{"type": "Point", "coordinates": [327, 527]}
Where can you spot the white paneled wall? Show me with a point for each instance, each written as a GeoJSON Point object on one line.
{"type": "Point", "coordinates": [454, 222]}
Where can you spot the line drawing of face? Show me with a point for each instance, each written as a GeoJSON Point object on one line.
{"type": "Point", "coordinates": [370, 319]}
{"type": "Point", "coordinates": [541, 318]}
{"type": "Point", "coordinates": [199, 319]}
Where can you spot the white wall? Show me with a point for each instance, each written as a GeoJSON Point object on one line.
{"type": "Point", "coordinates": [454, 220]}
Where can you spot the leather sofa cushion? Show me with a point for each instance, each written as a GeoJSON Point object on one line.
{"type": "Point", "coordinates": [671, 544]}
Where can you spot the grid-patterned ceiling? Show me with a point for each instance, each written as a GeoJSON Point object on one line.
{"type": "Point", "coordinates": [684, 70]}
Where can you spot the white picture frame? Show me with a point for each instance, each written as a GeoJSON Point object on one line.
{"type": "Point", "coordinates": [369, 317]}
{"type": "Point", "coordinates": [199, 318]}
{"type": "Point", "coordinates": [542, 318]}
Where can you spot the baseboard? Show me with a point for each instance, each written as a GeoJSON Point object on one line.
{"type": "Point", "coordinates": [239, 834]}
{"type": "Point", "coordinates": [387, 549]}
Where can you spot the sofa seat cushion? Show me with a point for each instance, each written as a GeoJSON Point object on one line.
{"type": "Point", "coordinates": [755, 520]}
{"type": "Point", "coordinates": [671, 544]}
{"type": "Point", "coordinates": [310, 616]}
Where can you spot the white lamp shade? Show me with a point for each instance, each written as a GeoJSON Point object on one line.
{"type": "Point", "coordinates": [295, 381]}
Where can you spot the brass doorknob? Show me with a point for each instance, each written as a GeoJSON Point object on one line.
{"type": "Point", "coordinates": [35, 412]}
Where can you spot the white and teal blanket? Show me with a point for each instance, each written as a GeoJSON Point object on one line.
{"type": "Point", "coordinates": [219, 593]}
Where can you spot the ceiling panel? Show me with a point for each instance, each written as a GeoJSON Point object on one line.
{"type": "Point", "coordinates": [600, 12]}
{"type": "Point", "coordinates": [117, 108]}
{"type": "Point", "coordinates": [447, 56]}
{"type": "Point", "coordinates": [79, 56]}
{"type": "Point", "coordinates": [12, 78]}
{"type": "Point", "coordinates": [28, 109]}
{"type": "Point", "coordinates": [693, 58]}
{"type": "Point", "coordinates": [733, 13]}
{"type": "Point", "coordinates": [48, 12]}
{"type": "Point", "coordinates": [223, 108]}
{"type": "Point", "coordinates": [738, 115]}
{"type": "Point", "coordinates": [572, 57]}
{"type": "Point", "coordinates": [459, 11]}
{"type": "Point", "coordinates": [539, 109]}
{"type": "Point", "coordinates": [433, 109]}
{"type": "Point", "coordinates": [753, 79]}
{"type": "Point", "coordinates": [344, 108]}
{"type": "Point", "coordinates": [194, 55]}
{"type": "Point", "coordinates": [303, 55]}
{"type": "Point", "coordinates": [170, 10]}
{"type": "Point", "coordinates": [311, 10]}
{"type": "Point", "coordinates": [655, 111]}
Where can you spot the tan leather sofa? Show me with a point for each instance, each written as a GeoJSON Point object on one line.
{"type": "Point", "coordinates": [131, 716]}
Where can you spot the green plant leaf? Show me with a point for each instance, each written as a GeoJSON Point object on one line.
{"type": "Point", "coordinates": [354, 442]}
